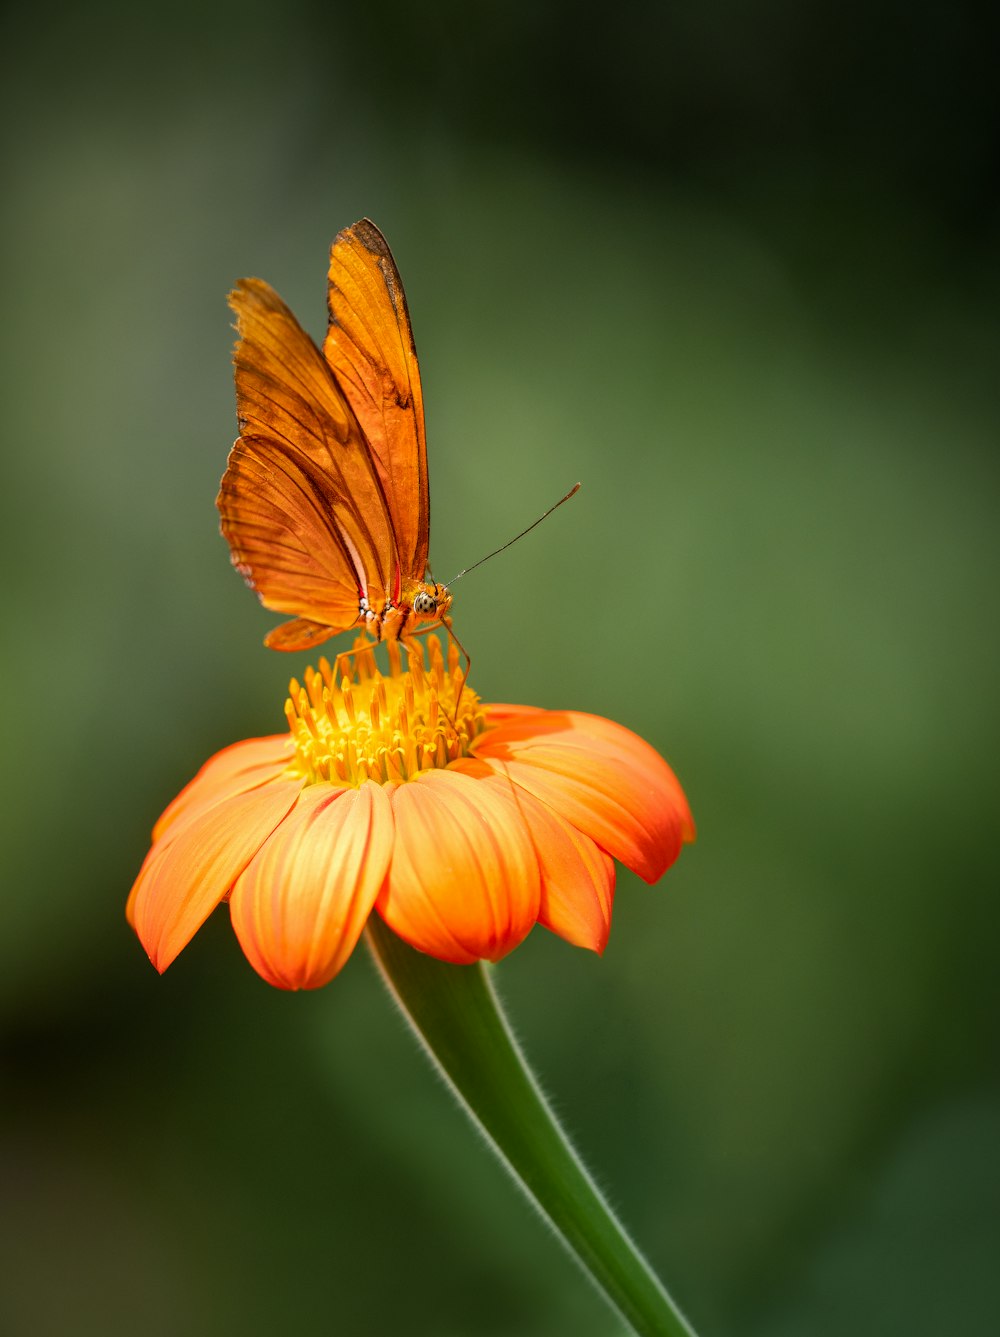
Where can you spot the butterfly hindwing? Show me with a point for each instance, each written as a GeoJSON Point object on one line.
{"type": "Point", "coordinates": [283, 540]}
{"type": "Point", "coordinates": [302, 502]}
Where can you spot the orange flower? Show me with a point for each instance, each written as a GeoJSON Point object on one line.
{"type": "Point", "coordinates": [463, 824]}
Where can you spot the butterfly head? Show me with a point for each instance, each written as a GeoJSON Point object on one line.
{"type": "Point", "coordinates": [431, 600]}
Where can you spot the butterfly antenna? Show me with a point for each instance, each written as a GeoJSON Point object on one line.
{"type": "Point", "coordinates": [571, 493]}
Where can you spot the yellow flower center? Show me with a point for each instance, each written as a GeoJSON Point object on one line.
{"type": "Point", "coordinates": [368, 726]}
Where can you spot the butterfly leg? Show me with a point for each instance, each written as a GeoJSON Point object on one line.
{"type": "Point", "coordinates": [446, 623]}
{"type": "Point", "coordinates": [347, 663]}
{"type": "Point", "coordinates": [435, 626]}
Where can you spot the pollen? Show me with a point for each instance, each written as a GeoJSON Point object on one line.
{"type": "Point", "coordinates": [351, 723]}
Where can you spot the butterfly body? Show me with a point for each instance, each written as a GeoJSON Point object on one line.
{"type": "Point", "coordinates": [325, 502]}
{"type": "Point", "coordinates": [418, 602]}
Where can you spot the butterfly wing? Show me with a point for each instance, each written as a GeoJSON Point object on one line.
{"type": "Point", "coordinates": [302, 504]}
{"type": "Point", "coordinates": [369, 346]}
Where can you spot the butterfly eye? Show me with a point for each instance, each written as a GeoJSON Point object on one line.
{"type": "Point", "coordinates": [424, 603]}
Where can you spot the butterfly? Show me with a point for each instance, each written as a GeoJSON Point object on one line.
{"type": "Point", "coordinates": [324, 502]}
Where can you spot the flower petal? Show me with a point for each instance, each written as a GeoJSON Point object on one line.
{"type": "Point", "coordinates": [464, 881]}
{"type": "Point", "coordinates": [300, 906]}
{"type": "Point", "coordinates": [605, 780]}
{"type": "Point", "coordinates": [235, 769]}
{"type": "Point", "coordinates": [189, 871]}
{"type": "Point", "coordinates": [578, 878]}
{"type": "Point", "coordinates": [499, 712]}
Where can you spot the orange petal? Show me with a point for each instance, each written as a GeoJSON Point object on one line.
{"type": "Point", "coordinates": [464, 882]}
{"type": "Point", "coordinates": [605, 780]}
{"type": "Point", "coordinates": [188, 873]}
{"type": "Point", "coordinates": [578, 878]}
{"type": "Point", "coordinates": [518, 727]}
{"type": "Point", "coordinates": [501, 713]}
{"type": "Point", "coordinates": [232, 771]}
{"type": "Point", "coordinates": [235, 770]}
{"type": "Point", "coordinates": [301, 904]}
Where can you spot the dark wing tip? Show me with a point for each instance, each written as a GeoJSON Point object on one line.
{"type": "Point", "coordinates": [365, 231]}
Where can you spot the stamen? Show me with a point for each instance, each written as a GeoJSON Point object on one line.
{"type": "Point", "coordinates": [347, 696]}
{"type": "Point", "coordinates": [386, 728]}
{"type": "Point", "coordinates": [314, 686]}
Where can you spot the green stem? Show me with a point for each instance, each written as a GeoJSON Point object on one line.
{"type": "Point", "coordinates": [456, 1015]}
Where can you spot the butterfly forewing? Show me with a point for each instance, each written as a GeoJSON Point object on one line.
{"type": "Point", "coordinates": [369, 345]}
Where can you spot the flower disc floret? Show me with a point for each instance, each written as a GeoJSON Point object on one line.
{"type": "Point", "coordinates": [351, 728]}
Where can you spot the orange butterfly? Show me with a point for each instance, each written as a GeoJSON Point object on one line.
{"type": "Point", "coordinates": [324, 501]}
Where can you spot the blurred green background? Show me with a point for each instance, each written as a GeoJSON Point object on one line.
{"type": "Point", "coordinates": [735, 268]}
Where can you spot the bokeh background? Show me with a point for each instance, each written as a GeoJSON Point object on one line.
{"type": "Point", "coordinates": [735, 268]}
